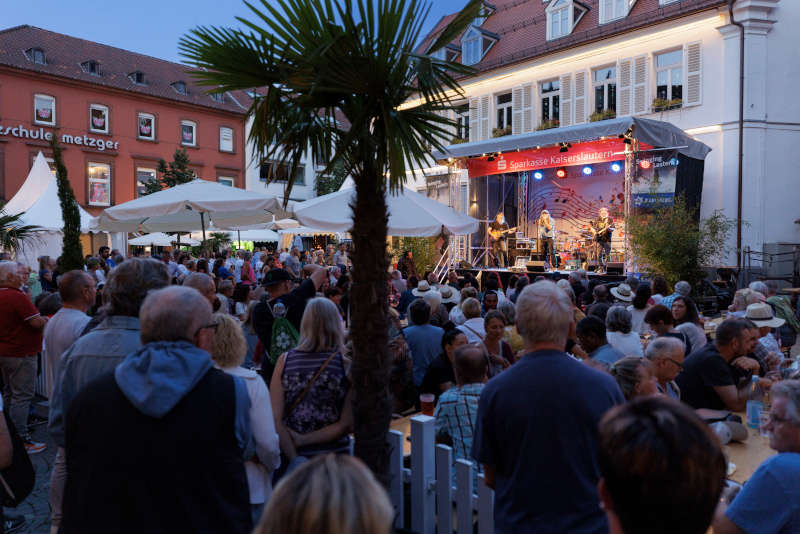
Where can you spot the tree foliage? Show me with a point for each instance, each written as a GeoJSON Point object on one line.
{"type": "Point", "coordinates": [331, 182]}
{"type": "Point", "coordinates": [423, 250]}
{"type": "Point", "coordinates": [671, 242]}
{"type": "Point", "coordinates": [72, 250]}
{"type": "Point", "coordinates": [217, 241]}
{"type": "Point", "coordinates": [174, 173]}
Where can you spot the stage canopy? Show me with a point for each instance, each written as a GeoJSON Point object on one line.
{"type": "Point", "coordinates": [648, 131]}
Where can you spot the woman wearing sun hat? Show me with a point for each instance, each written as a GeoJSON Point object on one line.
{"type": "Point", "coordinates": [768, 348]}
{"type": "Point", "coordinates": [623, 292]}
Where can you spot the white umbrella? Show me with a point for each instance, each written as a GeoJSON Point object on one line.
{"type": "Point", "coordinates": [191, 205]}
{"type": "Point", "coordinates": [162, 240]}
{"type": "Point", "coordinates": [283, 224]}
{"type": "Point", "coordinates": [410, 214]}
{"type": "Point", "coordinates": [262, 234]}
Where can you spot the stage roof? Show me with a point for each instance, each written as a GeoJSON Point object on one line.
{"type": "Point", "coordinates": [659, 134]}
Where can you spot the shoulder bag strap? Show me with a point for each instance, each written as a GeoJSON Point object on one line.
{"type": "Point", "coordinates": [314, 378]}
{"type": "Point", "coordinates": [473, 331]}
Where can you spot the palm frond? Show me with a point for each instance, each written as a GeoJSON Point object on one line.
{"type": "Point", "coordinates": [14, 234]}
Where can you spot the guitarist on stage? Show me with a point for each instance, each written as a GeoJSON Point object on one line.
{"type": "Point", "coordinates": [601, 229]}
{"type": "Point", "coordinates": [497, 231]}
{"type": "Point", "coordinates": [547, 232]}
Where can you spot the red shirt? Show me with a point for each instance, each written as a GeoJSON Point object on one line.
{"type": "Point", "coordinates": [17, 337]}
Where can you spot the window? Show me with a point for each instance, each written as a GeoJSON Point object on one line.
{"type": "Point", "coordinates": [225, 180]}
{"type": "Point", "coordinates": [281, 172]}
{"type": "Point", "coordinates": [614, 9]}
{"type": "Point", "coordinates": [462, 122]}
{"type": "Point", "coordinates": [179, 87]}
{"type": "Point", "coordinates": [605, 89]}
{"type": "Point", "coordinates": [188, 133]}
{"type": "Point", "coordinates": [146, 127]}
{"type": "Point", "coordinates": [226, 139]}
{"type": "Point", "coordinates": [218, 97]}
{"type": "Point", "coordinates": [550, 91]}
{"type": "Point", "coordinates": [143, 176]}
{"type": "Point", "coordinates": [44, 110]}
{"type": "Point", "coordinates": [91, 67]}
{"type": "Point", "coordinates": [36, 55]}
{"type": "Point", "coordinates": [472, 48]}
{"type": "Point", "coordinates": [99, 175]}
{"type": "Point", "coordinates": [665, 2]}
{"type": "Point", "coordinates": [562, 17]}
{"type": "Point", "coordinates": [503, 106]}
{"type": "Point", "coordinates": [669, 75]}
{"type": "Point", "coordinates": [98, 118]}
{"type": "Point", "coordinates": [137, 77]}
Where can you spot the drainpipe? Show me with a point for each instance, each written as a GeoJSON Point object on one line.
{"type": "Point", "coordinates": [741, 136]}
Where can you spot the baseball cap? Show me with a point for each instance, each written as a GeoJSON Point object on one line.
{"type": "Point", "coordinates": [276, 275]}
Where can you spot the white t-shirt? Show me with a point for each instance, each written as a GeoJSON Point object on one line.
{"type": "Point", "coordinates": [241, 308]}
{"type": "Point", "coordinates": [628, 344]}
{"type": "Point", "coordinates": [637, 320]}
{"type": "Point", "coordinates": [237, 269]}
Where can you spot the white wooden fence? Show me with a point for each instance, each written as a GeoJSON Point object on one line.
{"type": "Point", "coordinates": [433, 494]}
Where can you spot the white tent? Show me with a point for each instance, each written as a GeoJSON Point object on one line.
{"type": "Point", "coordinates": [265, 235]}
{"type": "Point", "coordinates": [162, 240]}
{"type": "Point", "coordinates": [38, 198]}
{"type": "Point", "coordinates": [410, 214]}
{"type": "Point", "coordinates": [283, 224]}
{"type": "Point", "coordinates": [190, 206]}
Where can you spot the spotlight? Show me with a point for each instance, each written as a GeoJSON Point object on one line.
{"type": "Point", "coordinates": [616, 167]}
{"type": "Point", "coordinates": [645, 164]}
{"type": "Point", "coordinates": [587, 170]}
{"type": "Point", "coordinates": [674, 162]}
{"type": "Point", "coordinates": [490, 158]}
{"type": "Point", "coordinates": [538, 175]}
{"type": "Point", "coordinates": [564, 147]}
{"type": "Point", "coordinates": [561, 172]}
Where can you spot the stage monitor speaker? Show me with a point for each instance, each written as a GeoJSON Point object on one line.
{"type": "Point", "coordinates": [535, 266]}
{"type": "Point", "coordinates": [521, 261]}
{"type": "Point", "coordinates": [615, 267]}
{"type": "Point", "coordinates": [591, 266]}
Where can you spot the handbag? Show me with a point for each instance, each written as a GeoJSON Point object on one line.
{"type": "Point", "coordinates": [17, 480]}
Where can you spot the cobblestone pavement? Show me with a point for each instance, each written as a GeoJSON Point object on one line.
{"type": "Point", "coordinates": [36, 507]}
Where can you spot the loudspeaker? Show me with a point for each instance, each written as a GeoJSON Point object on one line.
{"type": "Point", "coordinates": [535, 266]}
{"type": "Point", "coordinates": [591, 266]}
{"type": "Point", "coordinates": [615, 267]}
{"type": "Point", "coordinates": [521, 261]}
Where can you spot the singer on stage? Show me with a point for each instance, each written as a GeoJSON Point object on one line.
{"type": "Point", "coordinates": [546, 238]}
{"type": "Point", "coordinates": [601, 228]}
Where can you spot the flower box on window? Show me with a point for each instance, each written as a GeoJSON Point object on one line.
{"type": "Point", "coordinates": [458, 140]}
{"type": "Point", "coordinates": [546, 125]}
{"type": "Point", "coordinates": [603, 115]}
{"type": "Point", "coordinates": [662, 104]}
{"type": "Point", "coordinates": [501, 132]}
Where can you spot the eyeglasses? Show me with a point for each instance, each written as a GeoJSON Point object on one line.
{"type": "Point", "coordinates": [212, 326]}
{"type": "Point", "coordinates": [676, 362]}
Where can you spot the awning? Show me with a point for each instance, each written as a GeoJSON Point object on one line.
{"type": "Point", "coordinates": [649, 131]}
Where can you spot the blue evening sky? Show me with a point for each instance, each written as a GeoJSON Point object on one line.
{"type": "Point", "coordinates": [150, 27]}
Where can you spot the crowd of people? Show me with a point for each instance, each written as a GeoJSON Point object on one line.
{"type": "Point", "coordinates": [182, 390]}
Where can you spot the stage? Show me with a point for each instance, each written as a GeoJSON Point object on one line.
{"type": "Point", "coordinates": [555, 275]}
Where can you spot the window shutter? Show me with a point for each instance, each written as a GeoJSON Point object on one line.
{"type": "Point", "coordinates": [580, 97]}
{"type": "Point", "coordinates": [692, 92]}
{"type": "Point", "coordinates": [640, 85]}
{"type": "Point", "coordinates": [484, 117]}
{"type": "Point", "coordinates": [565, 112]}
{"type": "Point", "coordinates": [516, 110]}
{"type": "Point", "coordinates": [624, 87]}
{"type": "Point", "coordinates": [474, 134]}
{"type": "Point", "coordinates": [527, 108]}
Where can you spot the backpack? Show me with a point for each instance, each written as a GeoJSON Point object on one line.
{"type": "Point", "coordinates": [284, 335]}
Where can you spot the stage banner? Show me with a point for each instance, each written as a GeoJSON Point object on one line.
{"type": "Point", "coordinates": [547, 157]}
{"type": "Point", "coordinates": [654, 179]}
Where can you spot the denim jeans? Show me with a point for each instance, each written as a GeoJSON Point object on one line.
{"type": "Point", "coordinates": [19, 386]}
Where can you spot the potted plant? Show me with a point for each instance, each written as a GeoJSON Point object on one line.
{"type": "Point", "coordinates": [546, 125]}
{"type": "Point", "coordinates": [662, 104]}
{"type": "Point", "coordinates": [501, 132]}
{"type": "Point", "coordinates": [457, 140]}
{"type": "Point", "coordinates": [603, 115]}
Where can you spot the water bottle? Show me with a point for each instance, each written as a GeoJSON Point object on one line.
{"type": "Point", "coordinates": [755, 404]}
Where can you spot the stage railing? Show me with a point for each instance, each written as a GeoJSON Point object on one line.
{"type": "Point", "coordinates": [440, 270]}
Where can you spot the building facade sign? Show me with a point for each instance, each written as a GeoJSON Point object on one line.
{"type": "Point", "coordinates": [22, 132]}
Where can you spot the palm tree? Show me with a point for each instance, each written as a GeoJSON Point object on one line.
{"type": "Point", "coordinates": [218, 240]}
{"type": "Point", "coordinates": [14, 234]}
{"type": "Point", "coordinates": [321, 59]}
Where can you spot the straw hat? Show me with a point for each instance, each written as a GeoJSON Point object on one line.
{"type": "Point", "coordinates": [449, 295]}
{"type": "Point", "coordinates": [623, 292]}
{"type": "Point", "coordinates": [761, 314]}
{"type": "Point", "coordinates": [422, 288]}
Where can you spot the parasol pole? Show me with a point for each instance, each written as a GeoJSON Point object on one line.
{"type": "Point", "coordinates": [203, 226]}
{"type": "Point", "coordinates": [239, 235]}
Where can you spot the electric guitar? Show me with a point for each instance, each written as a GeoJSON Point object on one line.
{"type": "Point", "coordinates": [497, 234]}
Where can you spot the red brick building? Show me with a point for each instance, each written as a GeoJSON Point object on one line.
{"type": "Point", "coordinates": [116, 113]}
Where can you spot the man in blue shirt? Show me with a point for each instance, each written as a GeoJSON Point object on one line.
{"type": "Point", "coordinates": [591, 332]}
{"type": "Point", "coordinates": [536, 428]}
{"type": "Point", "coordinates": [424, 339]}
{"type": "Point", "coordinates": [682, 289]}
{"type": "Point", "coordinates": [769, 503]}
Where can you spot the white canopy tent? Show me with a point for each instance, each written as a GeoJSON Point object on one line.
{"type": "Point", "coordinates": [38, 198]}
{"type": "Point", "coordinates": [162, 240]}
{"type": "Point", "coordinates": [193, 205]}
{"type": "Point", "coordinates": [410, 214]}
{"type": "Point", "coordinates": [265, 235]}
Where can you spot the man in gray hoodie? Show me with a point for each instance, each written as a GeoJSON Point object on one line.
{"type": "Point", "coordinates": [158, 445]}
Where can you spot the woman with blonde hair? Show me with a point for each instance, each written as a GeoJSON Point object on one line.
{"type": "Point", "coordinates": [228, 352]}
{"type": "Point", "coordinates": [310, 388]}
{"type": "Point", "coordinates": [332, 494]}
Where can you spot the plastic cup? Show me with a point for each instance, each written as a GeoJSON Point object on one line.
{"type": "Point", "coordinates": [763, 421]}
{"type": "Point", "coordinates": [427, 401]}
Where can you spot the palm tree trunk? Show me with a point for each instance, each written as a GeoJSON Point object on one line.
{"type": "Point", "coordinates": [372, 406]}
